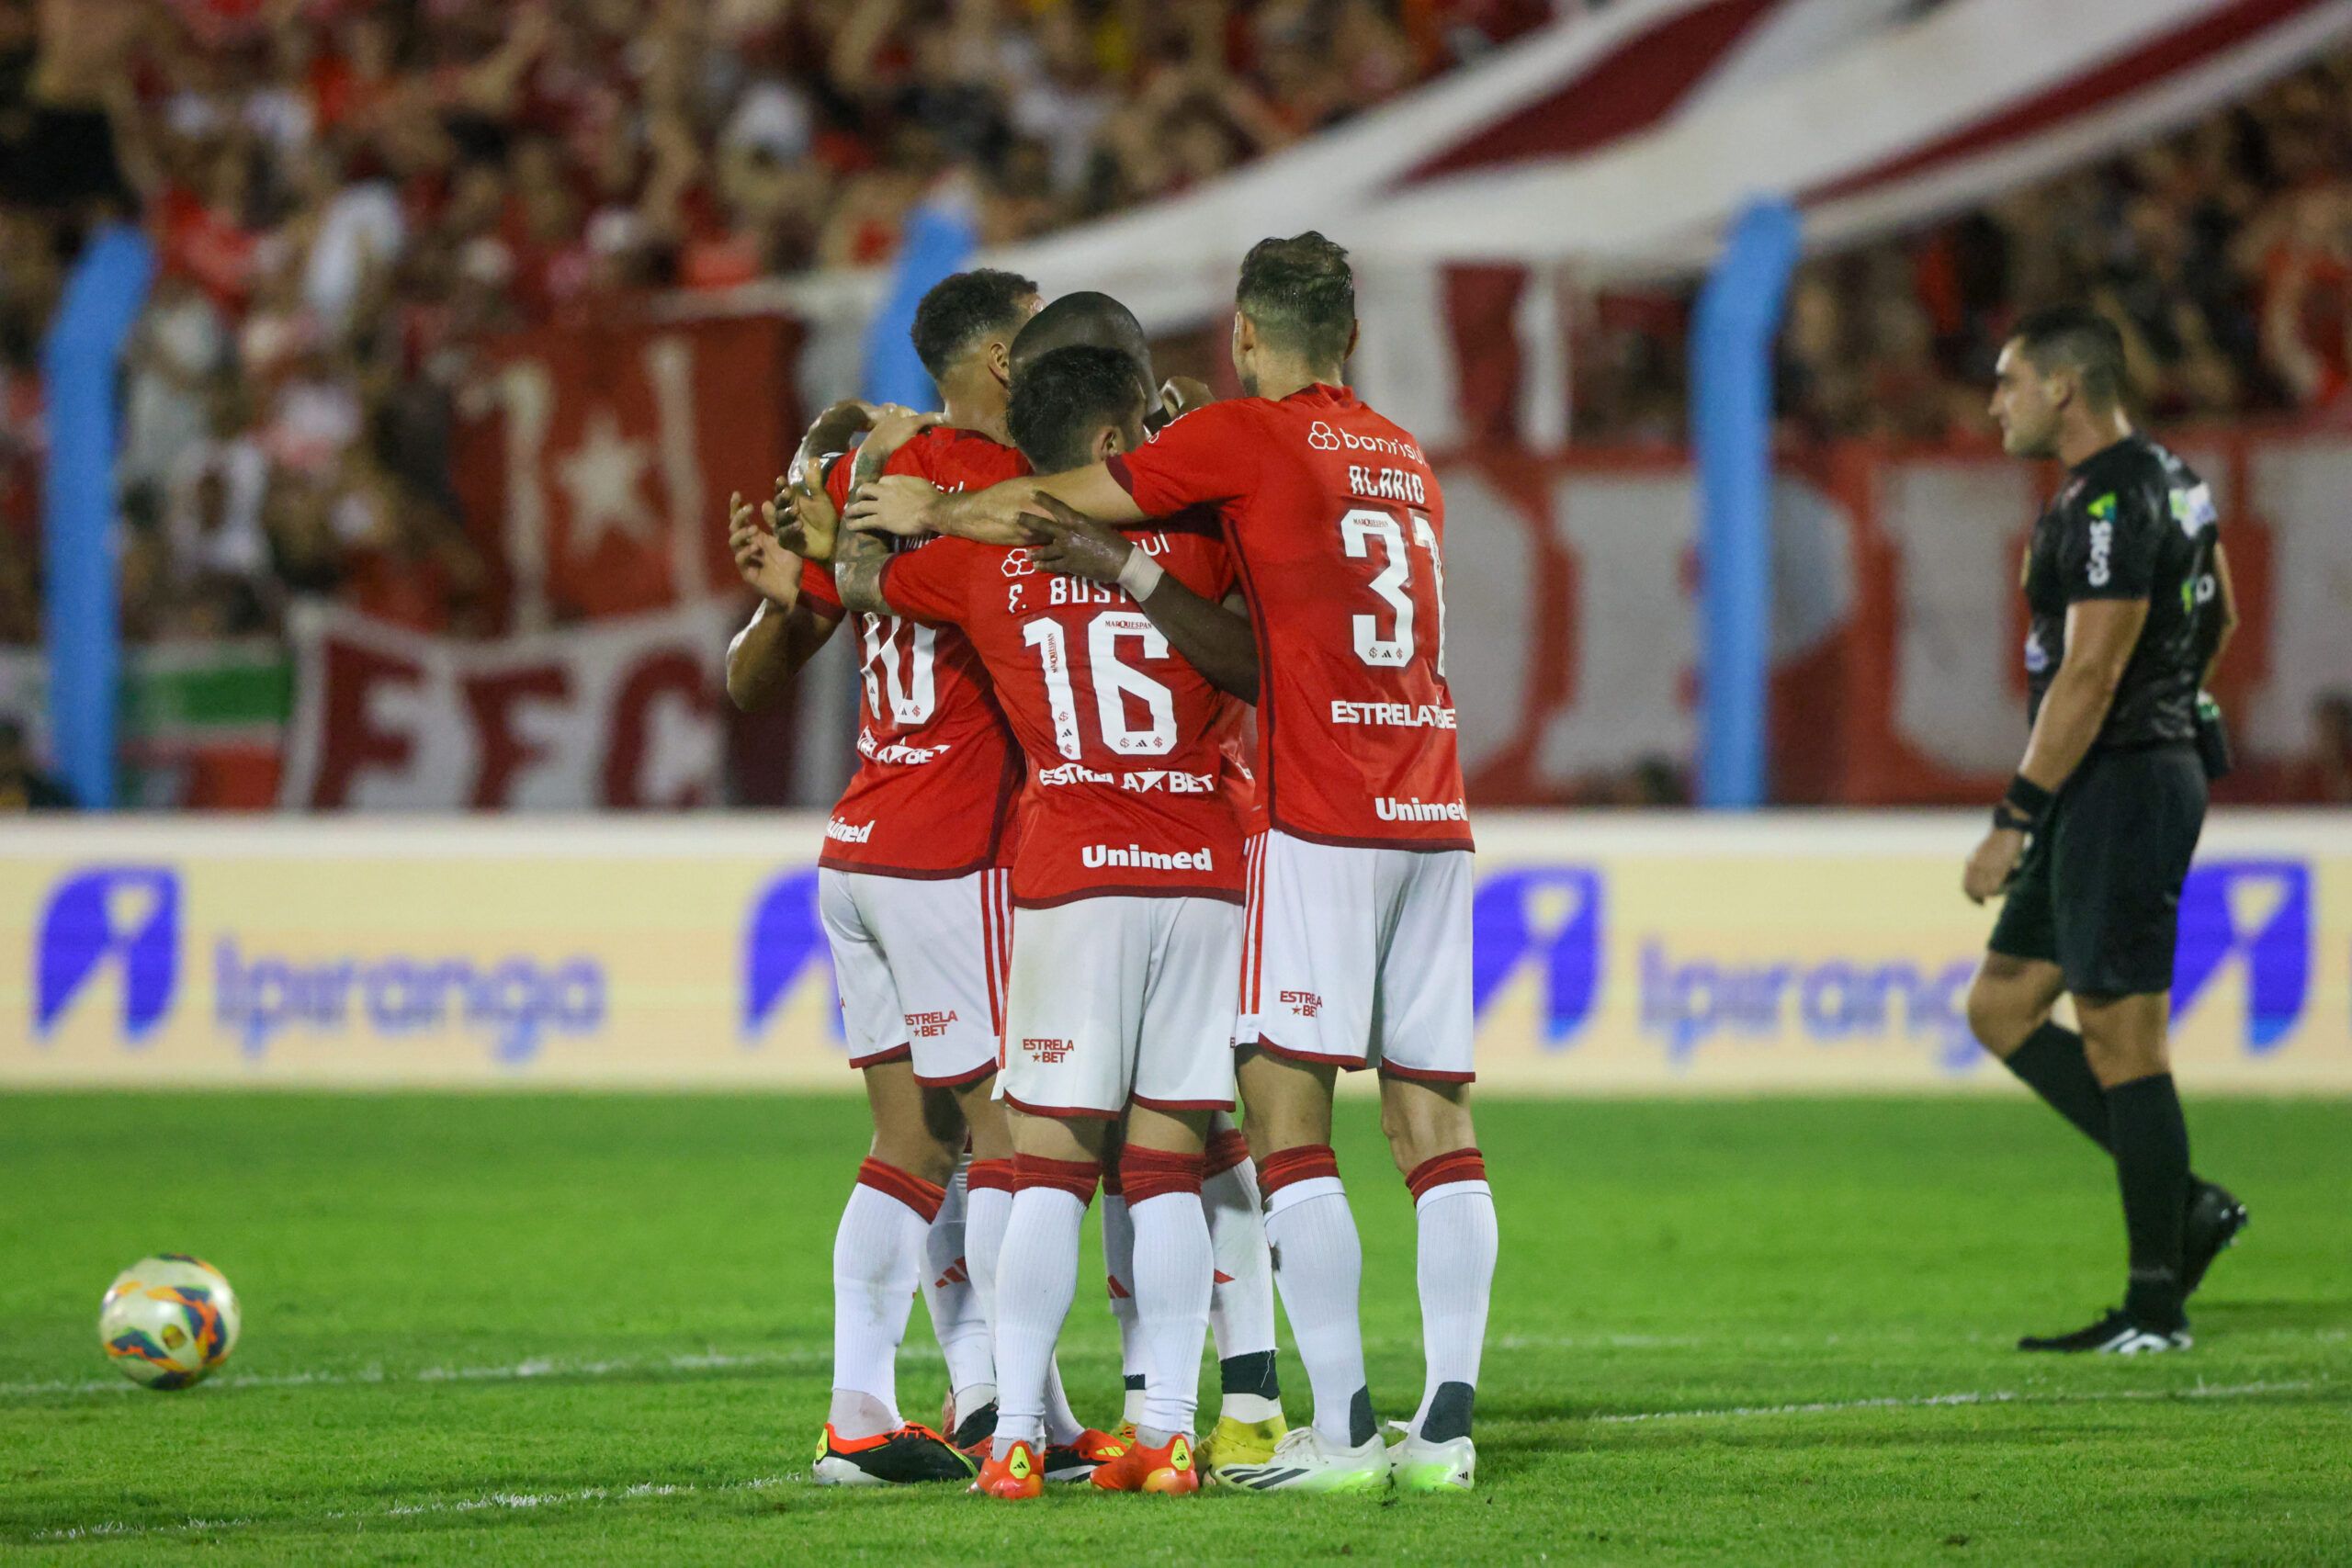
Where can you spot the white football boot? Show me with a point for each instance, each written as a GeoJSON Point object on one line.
{"type": "Point", "coordinates": [1306, 1461]}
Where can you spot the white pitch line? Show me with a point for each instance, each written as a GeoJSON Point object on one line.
{"type": "Point", "coordinates": [1998, 1396]}
{"type": "Point", "coordinates": [814, 1358]}
{"type": "Point", "coordinates": [517, 1372]}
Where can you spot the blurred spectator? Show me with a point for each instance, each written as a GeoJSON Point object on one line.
{"type": "Point", "coordinates": [2324, 776]}
{"type": "Point", "coordinates": [2223, 254]}
{"type": "Point", "coordinates": [23, 785]}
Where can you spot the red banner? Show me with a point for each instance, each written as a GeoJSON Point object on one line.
{"type": "Point", "coordinates": [1897, 637]}
{"type": "Point", "coordinates": [597, 481]}
{"type": "Point", "coordinates": [624, 714]}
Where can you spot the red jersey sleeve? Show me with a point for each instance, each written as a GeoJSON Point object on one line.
{"type": "Point", "coordinates": [837, 475]}
{"type": "Point", "coordinates": [1207, 457]}
{"type": "Point", "coordinates": [928, 583]}
{"type": "Point", "coordinates": [817, 587]}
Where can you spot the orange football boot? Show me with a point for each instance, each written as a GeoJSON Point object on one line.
{"type": "Point", "coordinates": [1166, 1469]}
{"type": "Point", "coordinates": [1016, 1475]}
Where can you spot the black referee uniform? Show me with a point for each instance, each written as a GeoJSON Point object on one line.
{"type": "Point", "coordinates": [2098, 890]}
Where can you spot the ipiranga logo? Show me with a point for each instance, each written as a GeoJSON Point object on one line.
{"type": "Point", "coordinates": [128, 919]}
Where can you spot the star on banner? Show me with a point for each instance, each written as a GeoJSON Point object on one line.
{"type": "Point", "coordinates": [603, 476]}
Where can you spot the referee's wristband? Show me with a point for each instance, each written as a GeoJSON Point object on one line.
{"type": "Point", "coordinates": [1140, 576]}
{"type": "Point", "coordinates": [2027, 802]}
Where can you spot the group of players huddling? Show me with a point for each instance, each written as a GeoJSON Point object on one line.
{"type": "Point", "coordinates": [1068, 922]}
{"type": "Point", "coordinates": [1052, 867]}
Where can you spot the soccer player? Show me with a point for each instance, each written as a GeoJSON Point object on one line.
{"type": "Point", "coordinates": [1358, 951]}
{"type": "Point", "coordinates": [2130, 600]}
{"type": "Point", "coordinates": [913, 892]}
{"type": "Point", "coordinates": [1241, 1310]}
{"type": "Point", "coordinates": [1128, 887]}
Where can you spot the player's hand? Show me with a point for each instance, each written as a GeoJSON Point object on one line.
{"type": "Point", "coordinates": [1995, 862]}
{"type": "Point", "coordinates": [1072, 543]}
{"type": "Point", "coordinates": [897, 503]}
{"type": "Point", "coordinates": [1181, 395]}
{"type": "Point", "coordinates": [894, 426]}
{"type": "Point", "coordinates": [765, 565]}
{"type": "Point", "coordinates": [804, 515]}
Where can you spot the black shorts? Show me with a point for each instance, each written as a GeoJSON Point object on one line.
{"type": "Point", "coordinates": [2099, 891]}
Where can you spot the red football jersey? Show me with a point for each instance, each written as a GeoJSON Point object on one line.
{"type": "Point", "coordinates": [938, 773]}
{"type": "Point", "coordinates": [1338, 532]}
{"type": "Point", "coordinates": [1126, 789]}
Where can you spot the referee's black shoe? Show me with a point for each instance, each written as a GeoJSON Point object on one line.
{"type": "Point", "coordinates": [2117, 1333]}
{"type": "Point", "coordinates": [2215, 1219]}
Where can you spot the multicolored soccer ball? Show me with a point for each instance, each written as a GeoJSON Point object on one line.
{"type": "Point", "coordinates": [168, 1320]}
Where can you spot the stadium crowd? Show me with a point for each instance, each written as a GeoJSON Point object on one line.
{"type": "Point", "coordinates": [2225, 251]}
{"type": "Point", "coordinates": [347, 194]}
{"type": "Point", "coordinates": [344, 195]}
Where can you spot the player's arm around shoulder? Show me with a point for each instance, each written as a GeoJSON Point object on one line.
{"type": "Point", "coordinates": [910, 507]}
{"type": "Point", "coordinates": [860, 557]}
{"type": "Point", "coordinates": [1214, 637]}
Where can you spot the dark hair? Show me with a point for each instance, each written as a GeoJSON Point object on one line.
{"type": "Point", "coordinates": [2076, 338]}
{"type": "Point", "coordinates": [1061, 400]}
{"type": "Point", "coordinates": [1086, 317]}
{"type": "Point", "coordinates": [961, 311]}
{"type": "Point", "coordinates": [1302, 296]}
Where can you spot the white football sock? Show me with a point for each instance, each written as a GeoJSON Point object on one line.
{"type": "Point", "coordinates": [1039, 1265]}
{"type": "Point", "coordinates": [1241, 1309]}
{"type": "Point", "coordinates": [877, 1263]}
{"type": "Point", "coordinates": [1313, 1232]}
{"type": "Point", "coordinates": [1119, 1270]}
{"type": "Point", "coordinates": [1062, 1424]}
{"type": "Point", "coordinates": [1173, 1260]}
{"type": "Point", "coordinates": [986, 1209]}
{"type": "Point", "coordinates": [1457, 1271]}
{"type": "Point", "coordinates": [951, 1295]}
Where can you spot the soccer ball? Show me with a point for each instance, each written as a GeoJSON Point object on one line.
{"type": "Point", "coordinates": [168, 1320]}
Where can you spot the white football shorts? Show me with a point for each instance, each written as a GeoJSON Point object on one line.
{"type": "Point", "coordinates": [1359, 956]}
{"type": "Point", "coordinates": [1118, 997]}
{"type": "Point", "coordinates": [920, 966]}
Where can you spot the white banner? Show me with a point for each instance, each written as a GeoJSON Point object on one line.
{"type": "Point", "coordinates": [1667, 954]}
{"type": "Point", "coordinates": [618, 714]}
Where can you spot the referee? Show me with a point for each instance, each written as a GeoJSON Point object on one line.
{"type": "Point", "coordinates": [2130, 603]}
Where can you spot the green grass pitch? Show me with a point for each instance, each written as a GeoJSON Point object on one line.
{"type": "Point", "coordinates": [527, 1329]}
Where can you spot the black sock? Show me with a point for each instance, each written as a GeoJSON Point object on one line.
{"type": "Point", "coordinates": [1449, 1412]}
{"type": "Point", "coordinates": [2052, 1063]}
{"type": "Point", "coordinates": [1361, 1422]}
{"type": "Point", "coordinates": [1251, 1374]}
{"type": "Point", "coordinates": [2151, 1167]}
{"type": "Point", "coordinates": [1135, 1382]}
